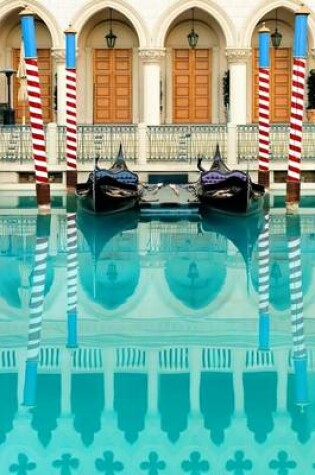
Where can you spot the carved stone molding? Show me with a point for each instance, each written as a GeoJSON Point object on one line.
{"type": "Point", "coordinates": [151, 55]}
{"type": "Point", "coordinates": [238, 55]}
{"type": "Point", "coordinates": [59, 55]}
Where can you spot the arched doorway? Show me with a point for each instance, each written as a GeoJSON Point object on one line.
{"type": "Point", "coordinates": [111, 73]}
{"type": "Point", "coordinates": [190, 93]}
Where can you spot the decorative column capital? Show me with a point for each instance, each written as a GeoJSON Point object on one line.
{"type": "Point", "coordinates": [152, 55]}
{"type": "Point", "coordinates": [238, 56]}
{"type": "Point", "coordinates": [59, 55]}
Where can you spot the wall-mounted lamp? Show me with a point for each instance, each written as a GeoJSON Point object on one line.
{"type": "Point", "coordinates": [193, 36]}
{"type": "Point", "coordinates": [276, 36]}
{"type": "Point", "coordinates": [110, 37]}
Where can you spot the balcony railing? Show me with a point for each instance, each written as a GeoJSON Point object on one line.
{"type": "Point", "coordinates": [102, 141]}
{"type": "Point", "coordinates": [180, 143]}
{"type": "Point", "coordinates": [247, 145]}
{"type": "Point", "coordinates": [185, 142]}
{"type": "Point", "coordinates": [15, 144]}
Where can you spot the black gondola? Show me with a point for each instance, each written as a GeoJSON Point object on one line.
{"type": "Point", "coordinates": [110, 190]}
{"type": "Point", "coordinates": [228, 191]}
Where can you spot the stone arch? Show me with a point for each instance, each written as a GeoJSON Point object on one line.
{"type": "Point", "coordinates": [266, 7]}
{"type": "Point", "coordinates": [166, 19]}
{"type": "Point", "coordinates": [42, 12]}
{"type": "Point", "coordinates": [87, 11]}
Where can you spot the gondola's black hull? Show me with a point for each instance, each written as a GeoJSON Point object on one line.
{"type": "Point", "coordinates": [231, 196]}
{"type": "Point", "coordinates": [107, 200]}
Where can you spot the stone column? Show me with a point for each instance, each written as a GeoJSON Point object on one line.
{"type": "Point", "coordinates": [153, 380]}
{"type": "Point", "coordinates": [237, 62]}
{"type": "Point", "coordinates": [281, 364]}
{"type": "Point", "coordinates": [151, 60]}
{"type": "Point", "coordinates": [239, 356]}
{"type": "Point", "coordinates": [108, 355]}
{"type": "Point", "coordinates": [59, 57]}
{"type": "Point", "coordinates": [66, 382]}
{"type": "Point", "coordinates": [195, 356]}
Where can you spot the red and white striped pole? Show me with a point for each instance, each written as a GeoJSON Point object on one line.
{"type": "Point", "coordinates": [263, 285]}
{"type": "Point", "coordinates": [36, 111]}
{"type": "Point", "coordinates": [71, 109]}
{"type": "Point", "coordinates": [264, 107]}
{"type": "Point", "coordinates": [72, 272]}
{"type": "Point", "coordinates": [297, 110]}
{"type": "Point", "coordinates": [299, 354]}
{"type": "Point", "coordinates": [36, 309]}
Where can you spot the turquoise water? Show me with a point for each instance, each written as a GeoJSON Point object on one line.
{"type": "Point", "coordinates": [156, 346]}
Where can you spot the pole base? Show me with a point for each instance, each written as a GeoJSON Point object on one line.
{"type": "Point", "coordinates": [293, 197]}
{"type": "Point", "coordinates": [72, 179]}
{"type": "Point", "coordinates": [43, 197]}
{"type": "Point", "coordinates": [264, 178]}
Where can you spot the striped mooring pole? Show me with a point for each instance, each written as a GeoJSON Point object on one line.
{"type": "Point", "coordinates": [297, 110]}
{"type": "Point", "coordinates": [263, 286]}
{"type": "Point", "coordinates": [36, 111]}
{"type": "Point", "coordinates": [36, 309]}
{"type": "Point", "coordinates": [299, 354]}
{"type": "Point", "coordinates": [72, 272]}
{"type": "Point", "coordinates": [264, 107]}
{"type": "Point", "coordinates": [71, 109]}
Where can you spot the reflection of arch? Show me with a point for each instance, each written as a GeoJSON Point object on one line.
{"type": "Point", "coordinates": [42, 12]}
{"type": "Point", "coordinates": [196, 282]}
{"type": "Point", "coordinates": [94, 6]}
{"type": "Point", "coordinates": [87, 404]}
{"type": "Point", "coordinates": [166, 19]}
{"type": "Point", "coordinates": [110, 272]}
{"type": "Point", "coordinates": [8, 403]}
{"type": "Point", "coordinates": [301, 420]}
{"type": "Point", "coordinates": [217, 403]}
{"type": "Point", "coordinates": [279, 274]}
{"type": "Point", "coordinates": [250, 24]}
{"type": "Point", "coordinates": [260, 403]}
{"type": "Point", "coordinates": [131, 403]}
{"type": "Point", "coordinates": [111, 281]}
{"type": "Point", "coordinates": [174, 404]}
{"type": "Point", "coordinates": [13, 289]}
{"type": "Point", "coordinates": [48, 406]}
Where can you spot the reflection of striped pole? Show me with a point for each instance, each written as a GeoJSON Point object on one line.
{"type": "Point", "coordinates": [263, 285]}
{"type": "Point", "coordinates": [264, 107]}
{"type": "Point", "coordinates": [36, 113]}
{"type": "Point", "coordinates": [36, 309]}
{"type": "Point", "coordinates": [72, 277]}
{"type": "Point", "coordinates": [297, 109]}
{"type": "Point", "coordinates": [297, 320]}
{"type": "Point", "coordinates": [71, 109]}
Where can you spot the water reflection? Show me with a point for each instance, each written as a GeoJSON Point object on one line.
{"type": "Point", "coordinates": [110, 272]}
{"type": "Point", "coordinates": [224, 379]}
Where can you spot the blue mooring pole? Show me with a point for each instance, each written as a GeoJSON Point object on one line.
{"type": "Point", "coordinates": [264, 107]}
{"type": "Point", "coordinates": [71, 109]}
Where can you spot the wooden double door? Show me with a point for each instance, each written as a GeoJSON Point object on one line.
{"type": "Point", "coordinates": [192, 84]}
{"type": "Point", "coordinates": [45, 78]}
{"type": "Point", "coordinates": [280, 84]}
{"type": "Point", "coordinates": [112, 86]}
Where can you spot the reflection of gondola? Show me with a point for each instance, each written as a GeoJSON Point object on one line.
{"type": "Point", "coordinates": [197, 276]}
{"type": "Point", "coordinates": [243, 233]}
{"type": "Point", "coordinates": [229, 191]}
{"type": "Point", "coordinates": [110, 272]}
{"type": "Point", "coordinates": [112, 190]}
